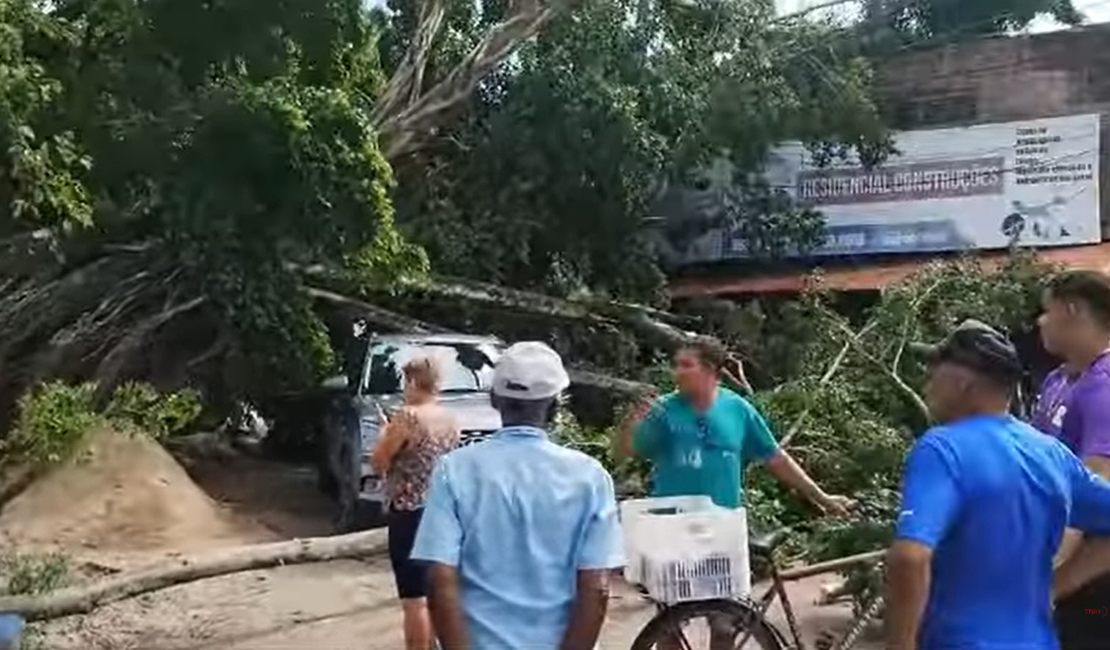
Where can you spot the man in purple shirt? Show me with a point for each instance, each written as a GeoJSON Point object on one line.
{"type": "Point", "coordinates": [1074, 406]}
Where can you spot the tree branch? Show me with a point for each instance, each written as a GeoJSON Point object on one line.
{"type": "Point", "coordinates": [830, 372]}
{"type": "Point", "coordinates": [84, 599]}
{"type": "Point", "coordinates": [376, 314]}
{"type": "Point", "coordinates": [894, 377]}
{"type": "Point", "coordinates": [582, 377]}
{"type": "Point", "coordinates": [906, 326]}
{"type": "Point", "coordinates": [408, 80]}
{"type": "Point", "coordinates": [111, 367]}
{"type": "Point", "coordinates": [406, 131]}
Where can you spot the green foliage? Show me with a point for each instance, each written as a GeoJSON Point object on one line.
{"type": "Point", "coordinates": [27, 574]}
{"type": "Point", "coordinates": [39, 168]}
{"type": "Point", "coordinates": [786, 342]}
{"type": "Point", "coordinates": [33, 575]}
{"type": "Point", "coordinates": [628, 474]}
{"type": "Point", "coordinates": [53, 420]}
{"type": "Point", "coordinates": [230, 144]}
{"type": "Point", "coordinates": [548, 182]}
{"type": "Point", "coordinates": [846, 447]}
{"type": "Point", "coordinates": [299, 177]}
{"type": "Point", "coordinates": [138, 406]}
{"type": "Point", "coordinates": [890, 23]}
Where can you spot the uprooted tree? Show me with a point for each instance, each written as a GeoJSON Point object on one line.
{"type": "Point", "coordinates": [179, 209]}
{"type": "Point", "coordinates": [183, 186]}
{"type": "Point", "coordinates": [188, 189]}
{"type": "Point", "coordinates": [847, 408]}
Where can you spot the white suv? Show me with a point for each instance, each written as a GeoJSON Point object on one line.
{"type": "Point", "coordinates": [353, 426]}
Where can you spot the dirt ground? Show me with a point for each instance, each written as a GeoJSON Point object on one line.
{"type": "Point", "coordinates": [345, 605]}
{"type": "Point", "coordinates": [336, 606]}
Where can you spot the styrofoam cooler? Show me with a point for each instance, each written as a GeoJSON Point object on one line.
{"type": "Point", "coordinates": [694, 552]}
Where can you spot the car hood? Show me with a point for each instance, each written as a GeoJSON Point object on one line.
{"type": "Point", "coordinates": [472, 411]}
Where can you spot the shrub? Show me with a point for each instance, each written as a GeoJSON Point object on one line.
{"type": "Point", "coordinates": [52, 419]}
{"type": "Point", "coordinates": [32, 575]}
{"type": "Point", "coordinates": [161, 415]}
{"type": "Point", "coordinates": [628, 474]}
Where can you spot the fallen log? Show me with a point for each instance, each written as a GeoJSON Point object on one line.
{"type": "Point", "coordinates": [85, 598]}
{"type": "Point", "coordinates": [626, 387]}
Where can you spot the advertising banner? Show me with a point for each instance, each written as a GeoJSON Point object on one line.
{"type": "Point", "coordinates": [1034, 183]}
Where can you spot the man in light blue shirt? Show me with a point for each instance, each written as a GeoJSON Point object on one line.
{"type": "Point", "coordinates": [521, 533]}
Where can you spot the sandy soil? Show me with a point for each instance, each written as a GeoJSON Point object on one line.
{"type": "Point", "coordinates": [344, 605]}
{"type": "Point", "coordinates": [337, 606]}
{"type": "Point", "coordinates": [123, 499]}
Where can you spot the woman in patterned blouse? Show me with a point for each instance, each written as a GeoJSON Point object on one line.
{"type": "Point", "coordinates": [413, 440]}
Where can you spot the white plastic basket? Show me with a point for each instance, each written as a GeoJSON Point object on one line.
{"type": "Point", "coordinates": [633, 509]}
{"type": "Point", "coordinates": [692, 552]}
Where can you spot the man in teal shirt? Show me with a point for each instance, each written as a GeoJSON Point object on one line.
{"type": "Point", "coordinates": [700, 438]}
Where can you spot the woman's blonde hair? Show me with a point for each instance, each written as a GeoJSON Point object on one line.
{"type": "Point", "coordinates": [423, 372]}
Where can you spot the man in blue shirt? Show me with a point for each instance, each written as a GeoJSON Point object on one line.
{"type": "Point", "coordinates": [986, 499]}
{"type": "Point", "coordinates": [522, 533]}
{"type": "Point", "coordinates": [701, 438]}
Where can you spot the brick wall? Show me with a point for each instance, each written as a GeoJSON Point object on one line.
{"type": "Point", "coordinates": [1005, 79]}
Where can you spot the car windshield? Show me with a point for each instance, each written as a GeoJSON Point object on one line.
{"type": "Point", "coordinates": [464, 367]}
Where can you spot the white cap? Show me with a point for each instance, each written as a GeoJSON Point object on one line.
{"type": "Point", "coordinates": [530, 370]}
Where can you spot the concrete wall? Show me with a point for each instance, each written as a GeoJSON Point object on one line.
{"type": "Point", "coordinates": [1005, 79]}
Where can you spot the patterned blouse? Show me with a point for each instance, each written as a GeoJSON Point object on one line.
{"type": "Point", "coordinates": [432, 433]}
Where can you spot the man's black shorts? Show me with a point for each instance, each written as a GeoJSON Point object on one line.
{"type": "Point", "coordinates": [411, 575]}
{"type": "Point", "coordinates": [1082, 619]}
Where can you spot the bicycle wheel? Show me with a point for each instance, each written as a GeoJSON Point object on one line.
{"type": "Point", "coordinates": [670, 628]}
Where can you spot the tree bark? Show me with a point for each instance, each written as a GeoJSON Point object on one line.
{"type": "Point", "coordinates": [378, 316]}
{"type": "Point", "coordinates": [409, 128]}
{"type": "Point", "coordinates": [610, 383]}
{"type": "Point", "coordinates": [84, 599]}
{"type": "Point", "coordinates": [407, 82]}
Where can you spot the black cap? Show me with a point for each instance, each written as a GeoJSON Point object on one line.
{"type": "Point", "coordinates": [980, 347]}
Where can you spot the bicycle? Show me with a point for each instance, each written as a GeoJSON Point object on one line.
{"type": "Point", "coordinates": [746, 619]}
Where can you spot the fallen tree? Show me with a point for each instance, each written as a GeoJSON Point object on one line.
{"type": "Point", "coordinates": [85, 598]}
{"type": "Point", "coordinates": [166, 268]}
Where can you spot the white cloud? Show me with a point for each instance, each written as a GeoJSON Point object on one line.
{"type": "Point", "coordinates": [1097, 11]}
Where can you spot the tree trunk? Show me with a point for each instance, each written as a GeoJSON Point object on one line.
{"type": "Point", "coordinates": [409, 126]}
{"type": "Point", "coordinates": [84, 599]}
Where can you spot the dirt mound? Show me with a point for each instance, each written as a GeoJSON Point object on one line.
{"type": "Point", "coordinates": [123, 493]}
